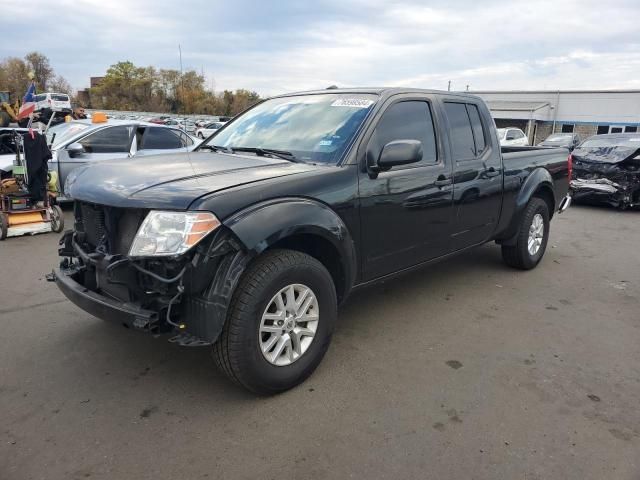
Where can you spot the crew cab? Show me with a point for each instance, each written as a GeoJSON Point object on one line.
{"type": "Point", "coordinates": [249, 243]}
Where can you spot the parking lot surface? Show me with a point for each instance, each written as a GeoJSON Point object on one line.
{"type": "Point", "coordinates": [467, 369]}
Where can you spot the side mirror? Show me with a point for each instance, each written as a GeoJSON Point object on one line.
{"type": "Point", "coordinates": [75, 149]}
{"type": "Point", "coordinates": [399, 152]}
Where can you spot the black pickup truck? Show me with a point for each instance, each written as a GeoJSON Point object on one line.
{"type": "Point", "coordinates": [249, 243]}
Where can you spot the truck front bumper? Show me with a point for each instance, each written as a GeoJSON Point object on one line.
{"type": "Point", "coordinates": [127, 314]}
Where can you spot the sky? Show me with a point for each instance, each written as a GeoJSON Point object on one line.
{"type": "Point", "coordinates": [291, 45]}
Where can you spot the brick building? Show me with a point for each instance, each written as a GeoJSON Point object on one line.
{"type": "Point", "coordinates": [586, 112]}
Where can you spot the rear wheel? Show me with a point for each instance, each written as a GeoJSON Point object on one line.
{"type": "Point", "coordinates": [532, 237]}
{"type": "Point", "coordinates": [4, 226]}
{"type": "Point", "coordinates": [279, 324]}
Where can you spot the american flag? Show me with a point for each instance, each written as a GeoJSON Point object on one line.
{"type": "Point", "coordinates": [28, 102]}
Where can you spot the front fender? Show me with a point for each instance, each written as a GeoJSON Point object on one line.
{"type": "Point", "coordinates": [262, 225]}
{"type": "Point", "coordinates": [538, 179]}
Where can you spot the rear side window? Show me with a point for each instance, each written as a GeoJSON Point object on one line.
{"type": "Point", "coordinates": [462, 143]}
{"type": "Point", "coordinates": [476, 126]}
{"type": "Point", "coordinates": [160, 139]}
{"type": "Point", "coordinates": [108, 140]}
{"type": "Point", "coordinates": [411, 120]}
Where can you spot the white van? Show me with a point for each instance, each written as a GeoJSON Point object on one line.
{"type": "Point", "coordinates": [55, 102]}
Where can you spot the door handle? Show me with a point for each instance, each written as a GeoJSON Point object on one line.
{"type": "Point", "coordinates": [492, 172]}
{"type": "Point", "coordinates": [441, 181]}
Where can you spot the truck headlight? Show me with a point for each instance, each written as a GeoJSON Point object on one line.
{"type": "Point", "coordinates": [171, 233]}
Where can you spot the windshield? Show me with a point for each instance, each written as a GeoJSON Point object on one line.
{"type": "Point", "coordinates": [64, 131]}
{"type": "Point", "coordinates": [314, 128]}
{"type": "Point", "coordinates": [627, 141]}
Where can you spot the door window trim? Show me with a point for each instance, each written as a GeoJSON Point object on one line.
{"type": "Point", "coordinates": [361, 155]}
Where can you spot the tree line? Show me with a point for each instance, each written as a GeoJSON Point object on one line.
{"type": "Point", "coordinates": [128, 87]}
{"type": "Point", "coordinates": [16, 73]}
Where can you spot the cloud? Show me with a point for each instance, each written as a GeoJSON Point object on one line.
{"type": "Point", "coordinates": [274, 47]}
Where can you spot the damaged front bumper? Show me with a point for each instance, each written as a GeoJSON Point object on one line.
{"type": "Point", "coordinates": [187, 296]}
{"type": "Point", "coordinates": [604, 190]}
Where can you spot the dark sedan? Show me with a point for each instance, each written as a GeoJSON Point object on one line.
{"type": "Point", "coordinates": [606, 169]}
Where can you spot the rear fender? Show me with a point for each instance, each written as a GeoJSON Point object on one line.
{"type": "Point", "coordinates": [538, 181]}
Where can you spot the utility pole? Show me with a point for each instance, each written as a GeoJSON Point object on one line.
{"type": "Point", "coordinates": [467, 87]}
{"type": "Point", "coordinates": [181, 77]}
{"type": "Point", "coordinates": [449, 86]}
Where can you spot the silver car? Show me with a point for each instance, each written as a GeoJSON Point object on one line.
{"type": "Point", "coordinates": [79, 142]}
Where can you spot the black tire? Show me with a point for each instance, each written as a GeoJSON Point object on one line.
{"type": "Point", "coordinates": [5, 119]}
{"type": "Point", "coordinates": [237, 352]}
{"type": "Point", "coordinates": [518, 256]}
{"type": "Point", "coordinates": [57, 219]}
{"type": "Point", "coordinates": [4, 226]}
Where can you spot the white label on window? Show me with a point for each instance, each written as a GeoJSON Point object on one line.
{"type": "Point", "coordinates": [352, 102]}
{"type": "Point", "coordinates": [324, 143]}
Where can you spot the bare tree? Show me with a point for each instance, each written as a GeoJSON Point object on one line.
{"type": "Point", "coordinates": [39, 65]}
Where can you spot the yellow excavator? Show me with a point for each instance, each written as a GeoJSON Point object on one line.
{"type": "Point", "coordinates": [8, 112]}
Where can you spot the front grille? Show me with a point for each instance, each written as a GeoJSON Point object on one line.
{"type": "Point", "coordinates": [107, 229]}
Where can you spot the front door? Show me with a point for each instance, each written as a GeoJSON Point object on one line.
{"type": "Point", "coordinates": [105, 144]}
{"type": "Point", "coordinates": [405, 212]}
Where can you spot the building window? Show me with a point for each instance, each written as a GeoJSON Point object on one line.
{"type": "Point", "coordinates": [602, 129]}
{"type": "Point", "coordinates": [567, 128]}
{"type": "Point", "coordinates": [630, 129]}
{"type": "Point", "coordinates": [616, 129]}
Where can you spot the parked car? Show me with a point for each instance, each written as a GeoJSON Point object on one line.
{"type": "Point", "coordinates": [208, 129]}
{"type": "Point", "coordinates": [606, 169]}
{"type": "Point", "coordinates": [48, 102]}
{"type": "Point", "coordinates": [80, 142]}
{"type": "Point", "coordinates": [512, 137]}
{"type": "Point", "coordinates": [566, 140]}
{"type": "Point", "coordinates": [250, 242]}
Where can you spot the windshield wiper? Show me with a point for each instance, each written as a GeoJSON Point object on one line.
{"type": "Point", "coordinates": [268, 151]}
{"type": "Point", "coordinates": [216, 148]}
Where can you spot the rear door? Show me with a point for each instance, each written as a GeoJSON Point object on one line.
{"type": "Point", "coordinates": [405, 212]}
{"type": "Point", "coordinates": [156, 140]}
{"type": "Point", "coordinates": [477, 172]}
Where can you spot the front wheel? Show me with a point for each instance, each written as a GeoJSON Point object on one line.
{"type": "Point", "coordinates": [57, 219]}
{"type": "Point", "coordinates": [532, 237]}
{"type": "Point", "coordinates": [279, 324]}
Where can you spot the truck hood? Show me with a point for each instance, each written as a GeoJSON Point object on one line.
{"type": "Point", "coordinates": [172, 181]}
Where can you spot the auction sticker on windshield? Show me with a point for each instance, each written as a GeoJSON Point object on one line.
{"type": "Point", "coordinates": [352, 102]}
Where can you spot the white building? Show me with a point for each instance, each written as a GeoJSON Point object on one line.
{"type": "Point", "coordinates": [586, 112]}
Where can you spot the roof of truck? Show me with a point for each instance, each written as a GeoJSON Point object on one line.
{"type": "Point", "coordinates": [382, 91]}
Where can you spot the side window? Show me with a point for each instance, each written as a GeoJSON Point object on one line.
{"type": "Point", "coordinates": [160, 139]}
{"type": "Point", "coordinates": [410, 120]}
{"type": "Point", "coordinates": [462, 144]}
{"type": "Point", "coordinates": [477, 127]}
{"type": "Point", "coordinates": [185, 139]}
{"type": "Point", "coordinates": [108, 140]}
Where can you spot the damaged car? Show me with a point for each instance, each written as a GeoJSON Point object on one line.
{"type": "Point", "coordinates": [606, 170]}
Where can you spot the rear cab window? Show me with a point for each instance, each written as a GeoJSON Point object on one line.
{"type": "Point", "coordinates": [467, 133]}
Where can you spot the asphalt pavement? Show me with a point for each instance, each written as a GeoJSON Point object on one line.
{"type": "Point", "coordinates": [463, 370]}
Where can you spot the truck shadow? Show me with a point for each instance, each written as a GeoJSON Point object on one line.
{"type": "Point", "coordinates": [134, 361]}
